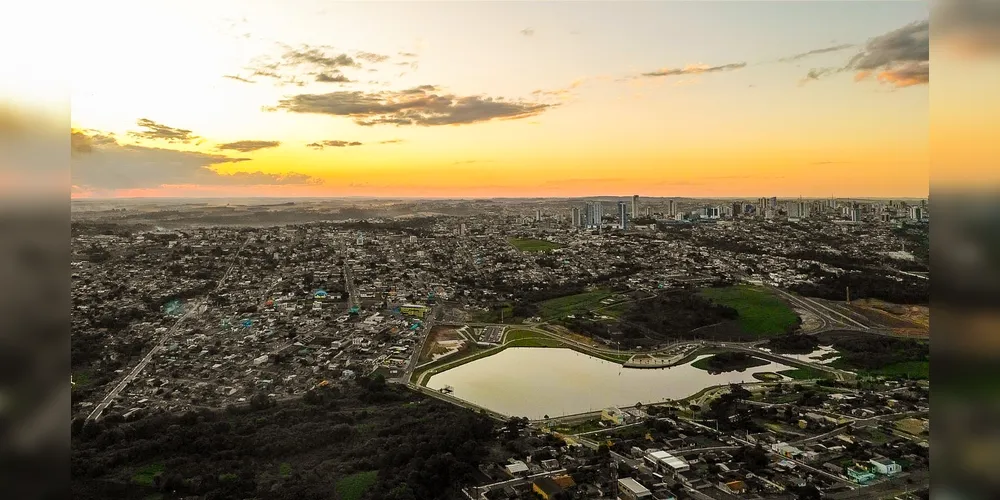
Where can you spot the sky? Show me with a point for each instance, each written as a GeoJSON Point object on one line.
{"type": "Point", "coordinates": [482, 99]}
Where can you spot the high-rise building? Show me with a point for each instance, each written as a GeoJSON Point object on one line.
{"type": "Point", "coordinates": [761, 206]}
{"type": "Point", "coordinates": [623, 214]}
{"type": "Point", "coordinates": [713, 212]}
{"type": "Point", "coordinates": [672, 208]}
{"type": "Point", "coordinates": [737, 209]}
{"type": "Point", "coordinates": [649, 211]}
{"type": "Point", "coordinates": [635, 205]}
{"type": "Point", "coordinates": [462, 230]}
{"type": "Point", "coordinates": [576, 220]}
{"type": "Point", "coordinates": [538, 215]}
{"type": "Point", "coordinates": [774, 202]}
{"type": "Point", "coordinates": [916, 213]}
{"type": "Point", "coordinates": [595, 214]}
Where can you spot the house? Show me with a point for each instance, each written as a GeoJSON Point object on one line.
{"type": "Point", "coordinates": [516, 468]}
{"type": "Point", "coordinates": [885, 466]}
{"type": "Point", "coordinates": [665, 462]}
{"type": "Point", "coordinates": [735, 487]}
{"type": "Point", "coordinates": [860, 476]}
{"type": "Point", "coordinates": [550, 464]}
{"type": "Point", "coordinates": [630, 489]}
{"type": "Point", "coordinates": [546, 487]}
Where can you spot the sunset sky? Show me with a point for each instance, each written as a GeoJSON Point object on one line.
{"type": "Point", "coordinates": [310, 98]}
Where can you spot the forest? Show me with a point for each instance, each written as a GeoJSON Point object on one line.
{"type": "Point", "coordinates": [310, 448]}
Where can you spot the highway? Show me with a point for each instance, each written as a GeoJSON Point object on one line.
{"type": "Point", "coordinates": [193, 310]}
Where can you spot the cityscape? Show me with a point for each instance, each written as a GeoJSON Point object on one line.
{"type": "Point", "coordinates": [504, 250]}
{"type": "Point", "coordinates": [639, 347]}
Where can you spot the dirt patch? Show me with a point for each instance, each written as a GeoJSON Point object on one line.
{"type": "Point", "coordinates": [440, 341]}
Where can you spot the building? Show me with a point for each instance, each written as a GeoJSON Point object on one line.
{"type": "Point", "coordinates": [595, 214]}
{"type": "Point", "coordinates": [538, 215]}
{"type": "Point", "coordinates": [885, 466]}
{"type": "Point", "coordinates": [665, 462]}
{"type": "Point", "coordinates": [649, 211]}
{"type": "Point", "coordinates": [786, 450]}
{"type": "Point", "coordinates": [546, 487]}
{"type": "Point", "coordinates": [860, 476]}
{"type": "Point", "coordinates": [415, 310]}
{"type": "Point", "coordinates": [575, 217]}
{"type": "Point", "coordinates": [613, 415]}
{"type": "Point", "coordinates": [516, 468]}
{"type": "Point", "coordinates": [916, 213]}
{"type": "Point", "coordinates": [630, 489]}
{"type": "Point", "coordinates": [623, 215]}
{"type": "Point", "coordinates": [672, 208]}
{"type": "Point", "coordinates": [713, 212]}
{"type": "Point", "coordinates": [635, 206]}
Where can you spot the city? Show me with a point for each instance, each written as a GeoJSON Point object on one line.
{"type": "Point", "coordinates": [646, 347]}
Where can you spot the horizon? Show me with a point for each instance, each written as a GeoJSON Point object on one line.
{"type": "Point", "coordinates": [505, 100]}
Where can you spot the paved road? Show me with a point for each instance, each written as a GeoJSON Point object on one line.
{"type": "Point", "coordinates": [193, 310]}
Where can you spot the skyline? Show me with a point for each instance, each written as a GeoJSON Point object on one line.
{"type": "Point", "coordinates": [503, 100]}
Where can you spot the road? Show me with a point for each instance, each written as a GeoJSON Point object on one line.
{"type": "Point", "coordinates": [193, 310]}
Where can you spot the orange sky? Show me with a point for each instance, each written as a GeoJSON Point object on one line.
{"type": "Point", "coordinates": [508, 99]}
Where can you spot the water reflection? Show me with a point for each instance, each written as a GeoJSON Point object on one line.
{"type": "Point", "coordinates": [533, 382]}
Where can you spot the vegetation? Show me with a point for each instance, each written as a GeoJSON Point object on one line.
{"type": "Point", "coordinates": [728, 361]}
{"type": "Point", "coordinates": [793, 344]}
{"type": "Point", "coordinates": [572, 304]}
{"type": "Point", "coordinates": [876, 355]}
{"type": "Point", "coordinates": [866, 284]}
{"type": "Point", "coordinates": [804, 373]}
{"type": "Point", "coordinates": [365, 442]}
{"type": "Point", "coordinates": [761, 313]}
{"type": "Point", "coordinates": [354, 486]}
{"type": "Point", "coordinates": [533, 245]}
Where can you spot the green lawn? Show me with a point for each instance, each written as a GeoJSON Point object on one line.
{"type": "Point", "coordinates": [804, 373]}
{"type": "Point", "coordinates": [572, 304]}
{"type": "Point", "coordinates": [761, 313]}
{"type": "Point", "coordinates": [144, 476]}
{"type": "Point", "coordinates": [355, 485]}
{"type": "Point", "coordinates": [905, 370]}
{"type": "Point", "coordinates": [533, 245]}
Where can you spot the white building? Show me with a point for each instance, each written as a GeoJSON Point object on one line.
{"type": "Point", "coordinates": [665, 462]}
{"type": "Point", "coordinates": [885, 466]}
{"type": "Point", "coordinates": [630, 489]}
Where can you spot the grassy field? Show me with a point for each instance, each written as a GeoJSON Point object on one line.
{"type": "Point", "coordinates": [144, 476]}
{"type": "Point", "coordinates": [804, 373]}
{"type": "Point", "coordinates": [716, 363]}
{"type": "Point", "coordinates": [761, 313]}
{"type": "Point", "coordinates": [533, 245]}
{"type": "Point", "coordinates": [915, 370]}
{"type": "Point", "coordinates": [571, 304]}
{"type": "Point", "coordinates": [527, 338]}
{"type": "Point", "coordinates": [354, 486]}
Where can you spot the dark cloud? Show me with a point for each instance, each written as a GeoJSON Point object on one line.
{"type": "Point", "coordinates": [332, 78]}
{"type": "Point", "coordinates": [317, 57]}
{"type": "Point", "coordinates": [900, 58]}
{"type": "Point", "coordinates": [372, 57]}
{"type": "Point", "coordinates": [824, 50]}
{"type": "Point", "coordinates": [911, 43]}
{"type": "Point", "coordinates": [695, 69]}
{"type": "Point", "coordinates": [528, 31]}
{"type": "Point", "coordinates": [416, 106]}
{"type": "Point", "coordinates": [967, 27]}
{"type": "Point", "coordinates": [332, 144]}
{"type": "Point", "coordinates": [84, 141]}
{"type": "Point", "coordinates": [101, 163]}
{"type": "Point", "coordinates": [247, 146]}
{"type": "Point", "coordinates": [157, 131]}
{"type": "Point", "coordinates": [238, 78]}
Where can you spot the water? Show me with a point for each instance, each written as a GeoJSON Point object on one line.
{"type": "Point", "coordinates": [533, 382]}
{"type": "Point", "coordinates": [814, 357]}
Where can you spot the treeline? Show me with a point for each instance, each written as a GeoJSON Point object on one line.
{"type": "Point", "coordinates": [793, 344]}
{"type": "Point", "coordinates": [871, 352]}
{"type": "Point", "coordinates": [421, 448]}
{"type": "Point", "coordinates": [866, 284]}
{"type": "Point", "coordinates": [676, 313]}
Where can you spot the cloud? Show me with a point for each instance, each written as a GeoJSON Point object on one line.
{"type": "Point", "coordinates": [911, 43]}
{"type": "Point", "coordinates": [157, 131]}
{"type": "Point", "coordinates": [372, 57]}
{"type": "Point", "coordinates": [101, 163]}
{"type": "Point", "coordinates": [421, 105]}
{"type": "Point", "coordinates": [824, 50]}
{"type": "Point", "coordinates": [238, 78]}
{"type": "Point", "coordinates": [332, 144]}
{"type": "Point", "coordinates": [695, 69]}
{"type": "Point", "coordinates": [392, 141]}
{"type": "Point", "coordinates": [528, 32]}
{"type": "Point", "coordinates": [900, 58]}
{"type": "Point", "coordinates": [407, 54]}
{"type": "Point", "coordinates": [968, 28]}
{"type": "Point", "coordinates": [332, 78]}
{"type": "Point", "coordinates": [247, 146]}
{"type": "Point", "coordinates": [907, 75]}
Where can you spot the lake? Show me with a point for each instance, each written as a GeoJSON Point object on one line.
{"type": "Point", "coordinates": [534, 381]}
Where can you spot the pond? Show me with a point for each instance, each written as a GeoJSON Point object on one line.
{"type": "Point", "coordinates": [533, 382]}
